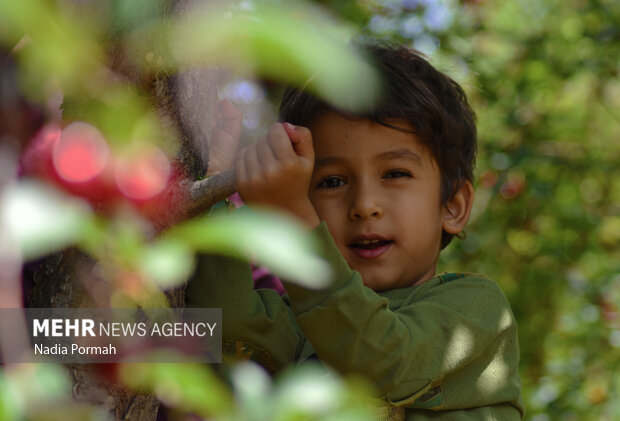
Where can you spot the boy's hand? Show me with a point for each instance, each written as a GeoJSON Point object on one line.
{"type": "Point", "coordinates": [225, 139]}
{"type": "Point", "coordinates": [276, 171]}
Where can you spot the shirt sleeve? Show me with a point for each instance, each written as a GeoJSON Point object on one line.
{"type": "Point", "coordinates": [256, 324]}
{"type": "Point", "coordinates": [457, 337]}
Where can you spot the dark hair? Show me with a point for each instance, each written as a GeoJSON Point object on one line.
{"type": "Point", "coordinates": [414, 91]}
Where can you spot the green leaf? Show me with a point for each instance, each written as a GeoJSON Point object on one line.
{"type": "Point", "coordinates": [274, 240]}
{"type": "Point", "coordinates": [296, 44]}
{"type": "Point", "coordinates": [253, 390]}
{"type": "Point", "coordinates": [62, 47]}
{"type": "Point", "coordinates": [186, 386]}
{"type": "Point", "coordinates": [8, 405]}
{"type": "Point", "coordinates": [31, 386]}
{"type": "Point", "coordinates": [40, 219]}
{"type": "Point", "coordinates": [167, 263]}
{"type": "Point", "coordinates": [310, 392]}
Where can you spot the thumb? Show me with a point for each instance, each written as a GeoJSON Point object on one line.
{"type": "Point", "coordinates": [301, 139]}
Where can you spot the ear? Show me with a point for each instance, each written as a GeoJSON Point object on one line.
{"type": "Point", "coordinates": [456, 212]}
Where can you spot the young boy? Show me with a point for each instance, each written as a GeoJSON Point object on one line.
{"type": "Point", "coordinates": [384, 193]}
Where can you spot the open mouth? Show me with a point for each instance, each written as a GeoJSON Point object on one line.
{"type": "Point", "coordinates": [370, 244]}
{"type": "Point", "coordinates": [369, 248]}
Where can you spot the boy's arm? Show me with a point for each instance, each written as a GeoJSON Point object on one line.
{"type": "Point", "coordinates": [256, 324]}
{"type": "Point", "coordinates": [459, 336]}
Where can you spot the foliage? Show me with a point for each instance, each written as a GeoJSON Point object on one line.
{"type": "Point", "coordinates": [304, 393]}
{"type": "Point", "coordinates": [549, 124]}
{"type": "Point", "coordinates": [41, 392]}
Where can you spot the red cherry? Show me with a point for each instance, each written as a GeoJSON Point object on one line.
{"type": "Point", "coordinates": [76, 159]}
{"type": "Point", "coordinates": [81, 153]}
{"type": "Point", "coordinates": [36, 160]}
{"type": "Point", "coordinates": [142, 171]}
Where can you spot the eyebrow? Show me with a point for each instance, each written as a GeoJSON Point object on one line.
{"type": "Point", "coordinates": [402, 153]}
{"type": "Point", "coordinates": [331, 160]}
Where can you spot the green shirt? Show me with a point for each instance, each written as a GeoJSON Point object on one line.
{"type": "Point", "coordinates": [445, 349]}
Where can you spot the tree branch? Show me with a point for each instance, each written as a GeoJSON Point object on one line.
{"type": "Point", "coordinates": [186, 198]}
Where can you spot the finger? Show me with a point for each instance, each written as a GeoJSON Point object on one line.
{"type": "Point", "coordinates": [252, 163]}
{"type": "Point", "coordinates": [264, 152]}
{"type": "Point", "coordinates": [280, 142]}
{"type": "Point", "coordinates": [301, 138]}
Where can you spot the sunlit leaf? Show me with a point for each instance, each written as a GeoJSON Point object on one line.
{"type": "Point", "coordinates": [167, 263]}
{"type": "Point", "coordinates": [253, 389]}
{"type": "Point", "coordinates": [311, 392]}
{"type": "Point", "coordinates": [305, 392]}
{"type": "Point", "coordinates": [40, 219]}
{"type": "Point", "coordinates": [312, 52]}
{"type": "Point", "coordinates": [274, 240]}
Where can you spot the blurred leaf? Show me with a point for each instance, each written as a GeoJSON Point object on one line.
{"type": "Point", "coordinates": [189, 387]}
{"type": "Point", "coordinates": [167, 263]}
{"type": "Point", "coordinates": [295, 44]}
{"type": "Point", "coordinates": [305, 392]}
{"type": "Point", "coordinates": [131, 14]}
{"type": "Point", "coordinates": [8, 403]}
{"type": "Point", "coordinates": [310, 392]}
{"type": "Point", "coordinates": [63, 48]}
{"type": "Point", "coordinates": [274, 240]}
{"type": "Point", "coordinates": [253, 390]}
{"type": "Point", "coordinates": [121, 113]}
{"type": "Point", "coordinates": [40, 219]}
{"type": "Point", "coordinates": [33, 386]}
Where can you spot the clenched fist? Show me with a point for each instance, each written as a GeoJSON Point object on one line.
{"type": "Point", "coordinates": [276, 171]}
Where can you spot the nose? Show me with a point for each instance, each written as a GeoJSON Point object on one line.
{"type": "Point", "coordinates": [365, 203]}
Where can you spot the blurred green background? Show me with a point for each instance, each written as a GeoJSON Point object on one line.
{"type": "Point", "coordinates": [543, 78]}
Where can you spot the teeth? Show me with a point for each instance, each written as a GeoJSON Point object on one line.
{"type": "Point", "coordinates": [366, 242]}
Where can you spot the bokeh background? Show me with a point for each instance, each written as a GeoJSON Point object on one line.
{"type": "Point", "coordinates": [543, 78]}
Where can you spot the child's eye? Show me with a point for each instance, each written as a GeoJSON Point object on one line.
{"type": "Point", "coordinates": [397, 174]}
{"type": "Point", "coordinates": [331, 182]}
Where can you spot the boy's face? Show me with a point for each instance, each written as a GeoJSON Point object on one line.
{"type": "Point", "coordinates": [378, 190]}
